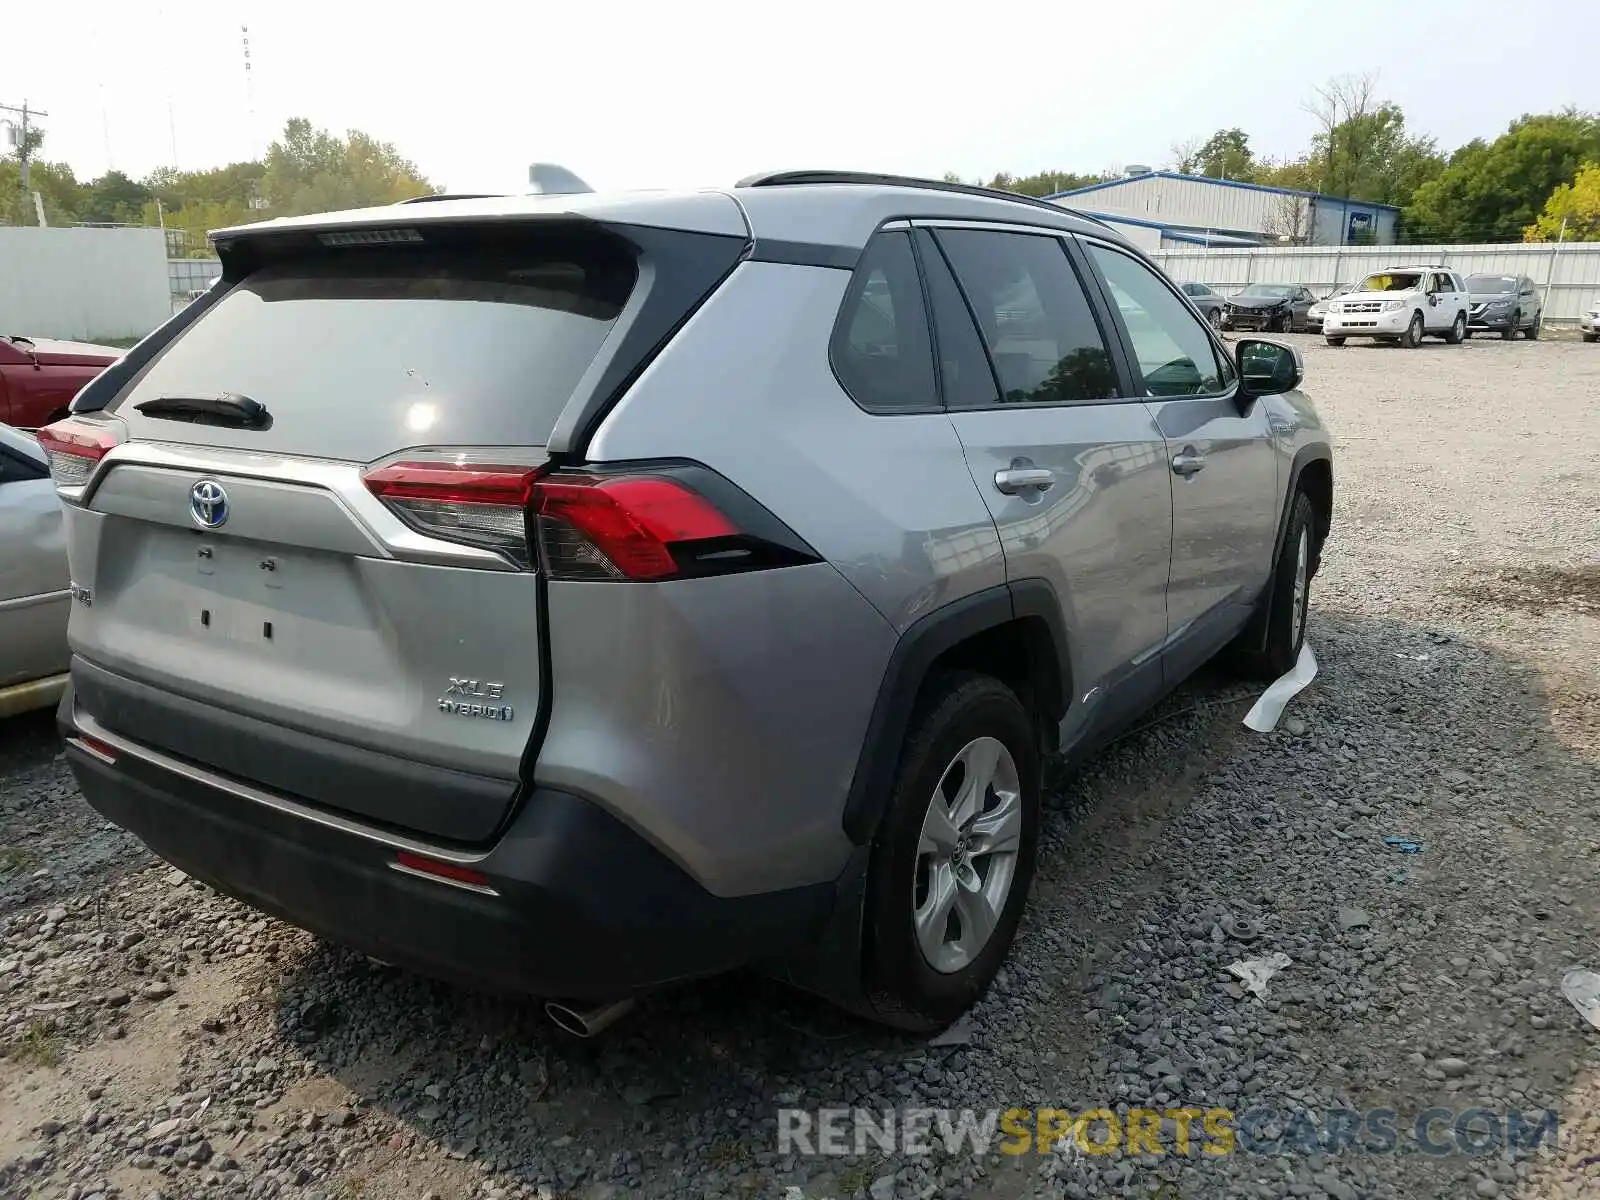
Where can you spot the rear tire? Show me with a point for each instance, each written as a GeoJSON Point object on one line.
{"type": "Point", "coordinates": [1532, 331]}
{"type": "Point", "coordinates": [1458, 330]}
{"type": "Point", "coordinates": [1412, 338]}
{"type": "Point", "coordinates": [927, 954]}
{"type": "Point", "coordinates": [1591, 337]}
{"type": "Point", "coordinates": [1510, 331]}
{"type": "Point", "coordinates": [1288, 603]}
{"type": "Point", "coordinates": [1334, 341]}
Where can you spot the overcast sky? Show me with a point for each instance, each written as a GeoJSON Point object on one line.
{"type": "Point", "coordinates": [634, 94]}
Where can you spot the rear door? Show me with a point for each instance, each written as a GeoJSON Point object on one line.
{"type": "Point", "coordinates": [1222, 461]}
{"type": "Point", "coordinates": [258, 608]}
{"type": "Point", "coordinates": [1072, 467]}
{"type": "Point", "coordinates": [33, 567]}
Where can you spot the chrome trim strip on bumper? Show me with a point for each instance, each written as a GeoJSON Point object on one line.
{"type": "Point", "coordinates": [88, 726]}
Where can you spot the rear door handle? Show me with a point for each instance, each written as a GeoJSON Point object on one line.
{"type": "Point", "coordinates": [1188, 462]}
{"type": "Point", "coordinates": [1020, 479]}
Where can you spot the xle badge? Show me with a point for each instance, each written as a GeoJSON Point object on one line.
{"type": "Point", "coordinates": [473, 698]}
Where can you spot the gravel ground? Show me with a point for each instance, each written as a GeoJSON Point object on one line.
{"type": "Point", "coordinates": [162, 1041]}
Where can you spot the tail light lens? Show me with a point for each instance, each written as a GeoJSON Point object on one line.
{"type": "Point", "coordinates": [630, 526]}
{"type": "Point", "coordinates": [623, 527]}
{"type": "Point", "coordinates": [479, 504]}
{"type": "Point", "coordinates": [73, 448]}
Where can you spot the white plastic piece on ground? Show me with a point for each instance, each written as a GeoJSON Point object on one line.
{"type": "Point", "coordinates": [1263, 715]}
{"type": "Point", "coordinates": [1582, 987]}
{"type": "Point", "coordinates": [1255, 972]}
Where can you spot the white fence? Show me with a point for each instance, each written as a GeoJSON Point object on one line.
{"type": "Point", "coordinates": [82, 283]}
{"type": "Point", "coordinates": [1571, 270]}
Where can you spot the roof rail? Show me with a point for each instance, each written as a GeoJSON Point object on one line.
{"type": "Point", "coordinates": [441, 196]}
{"type": "Point", "coordinates": [783, 178]}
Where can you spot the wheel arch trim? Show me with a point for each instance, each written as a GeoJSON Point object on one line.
{"type": "Point", "coordinates": [919, 647]}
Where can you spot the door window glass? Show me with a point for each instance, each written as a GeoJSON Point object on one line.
{"type": "Point", "coordinates": [1034, 316]}
{"type": "Point", "coordinates": [1176, 354]}
{"type": "Point", "coordinates": [964, 371]}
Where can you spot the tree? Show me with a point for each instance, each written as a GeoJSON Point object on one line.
{"type": "Point", "coordinates": [113, 199]}
{"type": "Point", "coordinates": [1288, 219]}
{"type": "Point", "coordinates": [1185, 156]}
{"type": "Point", "coordinates": [55, 184]}
{"type": "Point", "coordinates": [310, 170]}
{"type": "Point", "coordinates": [1226, 154]}
{"type": "Point", "coordinates": [1363, 148]}
{"type": "Point", "coordinates": [1572, 213]}
{"type": "Point", "coordinates": [1492, 192]}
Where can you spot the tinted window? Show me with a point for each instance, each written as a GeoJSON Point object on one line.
{"type": "Point", "coordinates": [881, 350]}
{"type": "Point", "coordinates": [1034, 316]}
{"type": "Point", "coordinates": [1488, 284]}
{"type": "Point", "coordinates": [964, 371]}
{"type": "Point", "coordinates": [359, 352]}
{"type": "Point", "coordinates": [1175, 352]}
{"type": "Point", "coordinates": [20, 457]}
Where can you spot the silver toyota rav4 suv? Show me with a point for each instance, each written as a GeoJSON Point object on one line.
{"type": "Point", "coordinates": [572, 594]}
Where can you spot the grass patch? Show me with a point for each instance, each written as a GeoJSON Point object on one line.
{"type": "Point", "coordinates": [39, 1046]}
{"type": "Point", "coordinates": [728, 1153]}
{"type": "Point", "coordinates": [15, 858]}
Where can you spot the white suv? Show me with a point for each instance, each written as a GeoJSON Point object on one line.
{"type": "Point", "coordinates": [1401, 305]}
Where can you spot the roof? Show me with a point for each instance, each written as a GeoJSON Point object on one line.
{"type": "Point", "coordinates": [1195, 234]}
{"type": "Point", "coordinates": [1232, 183]}
{"type": "Point", "coordinates": [817, 208]}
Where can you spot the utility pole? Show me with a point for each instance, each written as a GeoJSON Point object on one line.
{"type": "Point", "coordinates": [22, 146]}
{"type": "Point", "coordinates": [1549, 280]}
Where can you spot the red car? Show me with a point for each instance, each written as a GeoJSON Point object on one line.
{"type": "Point", "coordinates": [40, 376]}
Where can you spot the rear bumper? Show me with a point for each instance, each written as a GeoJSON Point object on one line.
{"type": "Point", "coordinates": [578, 905]}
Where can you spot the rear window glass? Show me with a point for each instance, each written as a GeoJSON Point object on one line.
{"type": "Point", "coordinates": [361, 352]}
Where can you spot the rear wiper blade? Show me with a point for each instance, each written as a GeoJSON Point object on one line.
{"type": "Point", "coordinates": [221, 408]}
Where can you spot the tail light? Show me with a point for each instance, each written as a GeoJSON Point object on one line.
{"type": "Point", "coordinates": [479, 504]}
{"type": "Point", "coordinates": [73, 448]}
{"type": "Point", "coordinates": [635, 525]}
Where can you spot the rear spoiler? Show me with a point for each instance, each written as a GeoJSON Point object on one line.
{"type": "Point", "coordinates": [547, 179]}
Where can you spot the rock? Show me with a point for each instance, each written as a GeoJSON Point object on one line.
{"type": "Point", "coordinates": [130, 939]}
{"type": "Point", "coordinates": [117, 997]}
{"type": "Point", "coordinates": [1354, 918]}
{"type": "Point", "coordinates": [1295, 726]}
{"type": "Point", "coordinates": [1453, 1068]}
{"type": "Point", "coordinates": [960, 1033]}
{"type": "Point", "coordinates": [1486, 1187]}
{"type": "Point", "coordinates": [428, 1113]}
{"type": "Point", "coordinates": [162, 1130]}
{"type": "Point", "coordinates": [156, 989]}
{"type": "Point", "coordinates": [176, 878]}
{"type": "Point", "coordinates": [882, 1188]}
{"type": "Point", "coordinates": [55, 916]}
{"type": "Point", "coordinates": [341, 1118]}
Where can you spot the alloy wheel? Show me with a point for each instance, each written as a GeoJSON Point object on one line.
{"type": "Point", "coordinates": [967, 856]}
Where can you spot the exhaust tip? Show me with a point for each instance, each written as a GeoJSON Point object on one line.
{"type": "Point", "coordinates": [586, 1022]}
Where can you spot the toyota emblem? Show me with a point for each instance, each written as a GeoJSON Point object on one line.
{"type": "Point", "coordinates": [208, 504]}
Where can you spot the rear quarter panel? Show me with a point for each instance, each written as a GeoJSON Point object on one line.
{"type": "Point", "coordinates": [747, 389]}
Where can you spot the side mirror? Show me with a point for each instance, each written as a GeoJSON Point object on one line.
{"type": "Point", "coordinates": [1267, 368]}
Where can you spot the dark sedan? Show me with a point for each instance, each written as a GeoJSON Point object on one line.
{"type": "Point", "coordinates": [1270, 307]}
